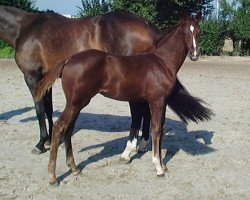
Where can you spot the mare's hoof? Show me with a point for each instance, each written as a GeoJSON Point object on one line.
{"type": "Point", "coordinates": [47, 143]}
{"type": "Point", "coordinates": [140, 150]}
{"type": "Point", "coordinates": [143, 146]}
{"type": "Point", "coordinates": [160, 175]}
{"type": "Point", "coordinates": [125, 160]}
{"type": "Point", "coordinates": [38, 151]}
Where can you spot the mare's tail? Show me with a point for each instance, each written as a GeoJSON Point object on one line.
{"type": "Point", "coordinates": [47, 81]}
{"type": "Point", "coordinates": [188, 107]}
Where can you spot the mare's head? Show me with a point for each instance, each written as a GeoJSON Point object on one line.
{"type": "Point", "coordinates": [191, 30]}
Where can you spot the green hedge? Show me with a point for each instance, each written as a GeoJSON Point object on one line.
{"type": "Point", "coordinates": [6, 51]}
{"type": "Point", "coordinates": [212, 37]}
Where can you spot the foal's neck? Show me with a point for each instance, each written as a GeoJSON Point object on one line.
{"type": "Point", "coordinates": [172, 50]}
{"type": "Point", "coordinates": [10, 23]}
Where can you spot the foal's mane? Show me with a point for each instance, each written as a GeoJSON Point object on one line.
{"type": "Point", "coordinates": [153, 29]}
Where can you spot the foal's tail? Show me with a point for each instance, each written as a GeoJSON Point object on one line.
{"type": "Point", "coordinates": [188, 107]}
{"type": "Point", "coordinates": [47, 81]}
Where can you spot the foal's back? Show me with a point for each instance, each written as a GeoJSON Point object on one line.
{"type": "Point", "coordinates": [124, 78]}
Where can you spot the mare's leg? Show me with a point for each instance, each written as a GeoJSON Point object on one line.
{"type": "Point", "coordinates": [157, 115]}
{"type": "Point", "coordinates": [136, 116]}
{"type": "Point", "coordinates": [31, 79]}
{"type": "Point", "coordinates": [63, 127]}
{"type": "Point", "coordinates": [49, 112]}
{"type": "Point", "coordinates": [142, 147]}
{"type": "Point", "coordinates": [130, 147]}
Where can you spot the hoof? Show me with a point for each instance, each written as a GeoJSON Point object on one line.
{"type": "Point", "coordinates": [47, 143]}
{"type": "Point", "coordinates": [75, 173]}
{"type": "Point", "coordinates": [140, 150]}
{"type": "Point", "coordinates": [54, 184]}
{"type": "Point", "coordinates": [143, 146]}
{"type": "Point", "coordinates": [160, 175]}
{"type": "Point", "coordinates": [37, 151]}
{"type": "Point", "coordinates": [165, 169]}
{"type": "Point", "coordinates": [124, 160]}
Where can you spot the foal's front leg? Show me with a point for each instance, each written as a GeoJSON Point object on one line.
{"type": "Point", "coordinates": [157, 116]}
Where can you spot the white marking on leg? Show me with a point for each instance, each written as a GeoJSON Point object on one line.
{"type": "Point", "coordinates": [130, 147]}
{"type": "Point", "coordinates": [194, 42]}
{"type": "Point", "coordinates": [158, 167]}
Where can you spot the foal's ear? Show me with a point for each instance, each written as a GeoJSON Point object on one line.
{"type": "Point", "coordinates": [198, 16]}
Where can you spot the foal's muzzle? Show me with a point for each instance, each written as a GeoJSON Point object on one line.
{"type": "Point", "coordinates": [194, 54]}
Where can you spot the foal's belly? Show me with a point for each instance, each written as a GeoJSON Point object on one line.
{"type": "Point", "coordinates": [125, 93]}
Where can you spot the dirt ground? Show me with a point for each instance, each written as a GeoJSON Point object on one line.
{"type": "Point", "coordinates": [210, 160]}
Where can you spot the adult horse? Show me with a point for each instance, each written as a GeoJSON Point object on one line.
{"type": "Point", "coordinates": [42, 39]}
{"type": "Point", "coordinates": [147, 77]}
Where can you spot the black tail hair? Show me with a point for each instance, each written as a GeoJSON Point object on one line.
{"type": "Point", "coordinates": [188, 107]}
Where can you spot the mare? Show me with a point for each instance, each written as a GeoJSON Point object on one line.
{"type": "Point", "coordinates": [149, 77]}
{"type": "Point", "coordinates": [41, 40]}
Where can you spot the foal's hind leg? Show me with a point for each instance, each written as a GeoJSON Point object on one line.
{"type": "Point", "coordinates": [69, 152]}
{"type": "Point", "coordinates": [63, 126]}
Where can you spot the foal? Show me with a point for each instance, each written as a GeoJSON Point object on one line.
{"type": "Point", "coordinates": [147, 77]}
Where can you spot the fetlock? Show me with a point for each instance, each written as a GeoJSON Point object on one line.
{"type": "Point", "coordinates": [133, 134]}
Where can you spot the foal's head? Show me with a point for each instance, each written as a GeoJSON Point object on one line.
{"type": "Point", "coordinates": [191, 29]}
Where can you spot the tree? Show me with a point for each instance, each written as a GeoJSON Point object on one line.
{"type": "Point", "coordinates": [241, 26]}
{"type": "Point", "coordinates": [212, 37]}
{"type": "Point", "coordinates": [94, 7]}
{"type": "Point", "coordinates": [27, 5]}
{"type": "Point", "coordinates": [160, 12]}
{"type": "Point", "coordinates": [144, 8]}
{"type": "Point", "coordinates": [169, 12]}
{"type": "Point", "coordinates": [235, 17]}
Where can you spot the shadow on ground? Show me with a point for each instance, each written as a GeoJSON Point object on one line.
{"type": "Point", "coordinates": [176, 137]}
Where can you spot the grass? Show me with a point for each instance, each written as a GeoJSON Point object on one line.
{"type": "Point", "coordinates": [7, 52]}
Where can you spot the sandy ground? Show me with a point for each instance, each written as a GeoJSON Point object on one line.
{"type": "Point", "coordinates": [206, 161]}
